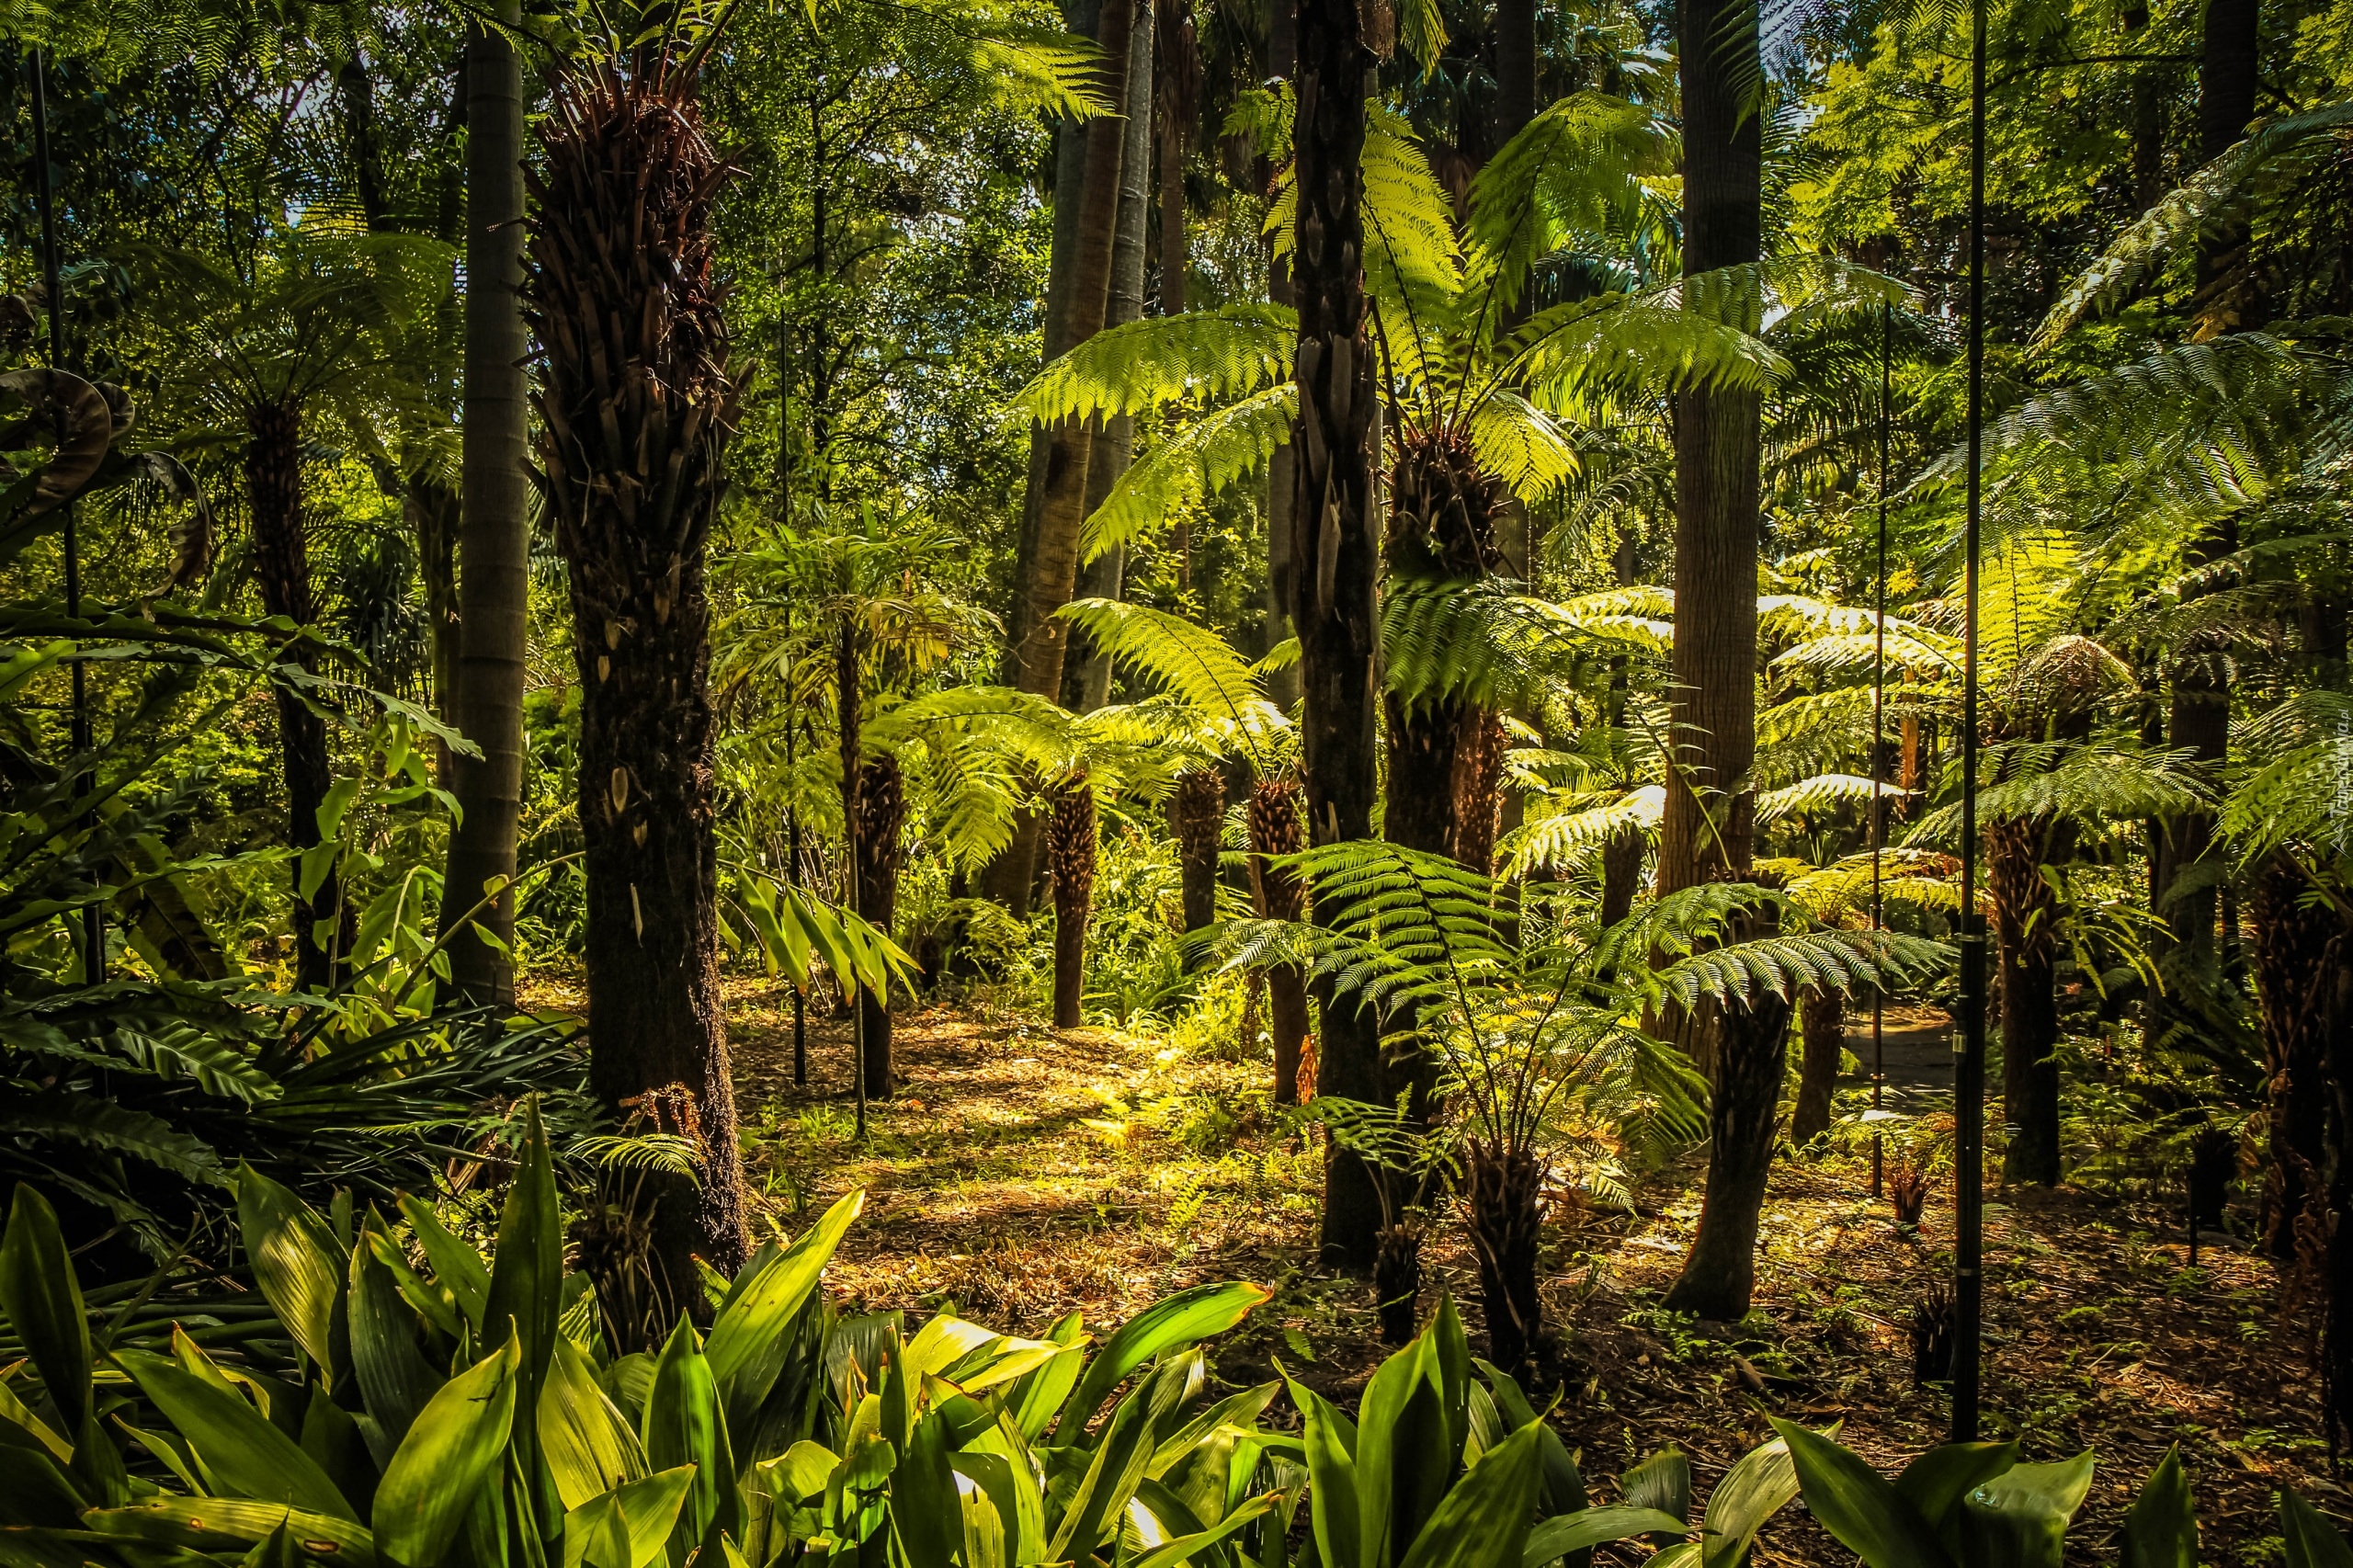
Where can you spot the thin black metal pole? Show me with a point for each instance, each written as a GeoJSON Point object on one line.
{"type": "Point", "coordinates": [792, 879]}
{"type": "Point", "coordinates": [1969, 1075]}
{"type": "Point", "coordinates": [93, 918]}
{"type": "Point", "coordinates": [1879, 743]}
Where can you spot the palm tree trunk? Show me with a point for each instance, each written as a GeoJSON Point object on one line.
{"type": "Point", "coordinates": [881, 816]}
{"type": "Point", "coordinates": [1088, 686]}
{"type": "Point", "coordinates": [1707, 832]}
{"type": "Point", "coordinates": [1335, 546]}
{"type": "Point", "coordinates": [1822, 1035]}
{"type": "Point", "coordinates": [2291, 943]}
{"type": "Point", "coordinates": [493, 587]}
{"type": "Point", "coordinates": [283, 564]}
{"type": "Point", "coordinates": [1070, 844]}
{"type": "Point", "coordinates": [1274, 831]}
{"type": "Point", "coordinates": [636, 385]}
{"type": "Point", "coordinates": [1038, 642]}
{"type": "Point", "coordinates": [2023, 913]}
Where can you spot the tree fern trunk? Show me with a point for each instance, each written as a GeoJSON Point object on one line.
{"type": "Point", "coordinates": [2024, 913]}
{"type": "Point", "coordinates": [2292, 989]}
{"type": "Point", "coordinates": [635, 405]}
{"type": "Point", "coordinates": [1274, 831]}
{"type": "Point", "coordinates": [1196, 818]}
{"type": "Point", "coordinates": [494, 561]}
{"type": "Point", "coordinates": [1070, 849]}
{"type": "Point", "coordinates": [1334, 547]}
{"type": "Point", "coordinates": [882, 818]}
{"type": "Point", "coordinates": [282, 566]}
{"type": "Point", "coordinates": [1504, 1190]}
{"type": "Point", "coordinates": [1822, 1034]}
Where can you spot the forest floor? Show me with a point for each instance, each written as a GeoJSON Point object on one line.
{"type": "Point", "coordinates": [1021, 1173]}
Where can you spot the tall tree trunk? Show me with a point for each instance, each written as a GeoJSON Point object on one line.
{"type": "Point", "coordinates": [1336, 544]}
{"type": "Point", "coordinates": [2292, 990]}
{"type": "Point", "coordinates": [1514, 67]}
{"type": "Point", "coordinates": [1274, 832]}
{"type": "Point", "coordinates": [636, 384]}
{"type": "Point", "coordinates": [1175, 100]}
{"type": "Point", "coordinates": [1088, 686]}
{"type": "Point", "coordinates": [1821, 1036]}
{"type": "Point", "coordinates": [1087, 161]}
{"type": "Point", "coordinates": [2027, 950]}
{"type": "Point", "coordinates": [282, 565]}
{"type": "Point", "coordinates": [1070, 847]}
{"type": "Point", "coordinates": [494, 513]}
{"type": "Point", "coordinates": [1196, 818]}
{"type": "Point", "coordinates": [881, 816]}
{"type": "Point", "coordinates": [1282, 478]}
{"type": "Point", "coordinates": [1037, 641]}
{"type": "Point", "coordinates": [1710, 811]}
{"type": "Point", "coordinates": [432, 513]}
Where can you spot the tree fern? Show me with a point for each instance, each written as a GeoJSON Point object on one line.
{"type": "Point", "coordinates": [1195, 461]}
{"type": "Point", "coordinates": [1824, 790]}
{"type": "Point", "coordinates": [1231, 351]}
{"type": "Point", "coordinates": [1528, 448]}
{"type": "Point", "coordinates": [1560, 840]}
{"type": "Point", "coordinates": [1570, 179]}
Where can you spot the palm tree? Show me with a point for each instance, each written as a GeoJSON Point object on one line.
{"type": "Point", "coordinates": [635, 406]}
{"type": "Point", "coordinates": [313, 335]}
{"type": "Point", "coordinates": [493, 519]}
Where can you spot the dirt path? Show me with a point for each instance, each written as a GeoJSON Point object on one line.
{"type": "Point", "coordinates": [1022, 1173]}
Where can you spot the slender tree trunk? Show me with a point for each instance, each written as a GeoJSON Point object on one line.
{"type": "Point", "coordinates": [1070, 843]}
{"type": "Point", "coordinates": [2291, 942]}
{"type": "Point", "coordinates": [1622, 873]}
{"type": "Point", "coordinates": [1822, 1034]}
{"type": "Point", "coordinates": [881, 817]}
{"type": "Point", "coordinates": [1087, 685]}
{"type": "Point", "coordinates": [1038, 642]}
{"type": "Point", "coordinates": [495, 512]}
{"type": "Point", "coordinates": [636, 384]}
{"type": "Point", "coordinates": [2028, 951]}
{"type": "Point", "coordinates": [432, 512]}
{"type": "Point", "coordinates": [1335, 545]}
{"type": "Point", "coordinates": [1282, 479]}
{"type": "Point", "coordinates": [1709, 809]}
{"type": "Point", "coordinates": [1174, 101]}
{"type": "Point", "coordinates": [1274, 831]}
{"type": "Point", "coordinates": [282, 565]}
{"type": "Point", "coordinates": [1196, 818]}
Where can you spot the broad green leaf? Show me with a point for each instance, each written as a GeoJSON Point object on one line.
{"type": "Point", "coordinates": [923, 1509]}
{"type": "Point", "coordinates": [43, 1300]}
{"type": "Point", "coordinates": [2162, 1529]}
{"type": "Point", "coordinates": [2019, 1519]}
{"type": "Point", "coordinates": [1759, 1485]}
{"type": "Point", "coordinates": [1331, 1441]}
{"type": "Point", "coordinates": [241, 1452]}
{"type": "Point", "coordinates": [296, 1261]}
{"type": "Point", "coordinates": [1483, 1518]}
{"type": "Point", "coordinates": [455, 1263]}
{"type": "Point", "coordinates": [1036, 1395]}
{"type": "Point", "coordinates": [526, 1272]}
{"type": "Point", "coordinates": [800, 1472]}
{"type": "Point", "coordinates": [1661, 1482]}
{"type": "Point", "coordinates": [1589, 1528]}
{"type": "Point", "coordinates": [586, 1445]}
{"type": "Point", "coordinates": [224, 1526]}
{"type": "Point", "coordinates": [2311, 1540]}
{"type": "Point", "coordinates": [1184, 1549]}
{"type": "Point", "coordinates": [1121, 1451]}
{"type": "Point", "coordinates": [596, 1534]}
{"type": "Point", "coordinates": [1936, 1481]}
{"type": "Point", "coordinates": [683, 1425]}
{"type": "Point", "coordinates": [627, 1526]}
{"type": "Point", "coordinates": [395, 1380]}
{"type": "Point", "coordinates": [1183, 1319]}
{"type": "Point", "coordinates": [1403, 1462]}
{"type": "Point", "coordinates": [749, 1341]}
{"type": "Point", "coordinates": [16, 1411]}
{"type": "Point", "coordinates": [1859, 1506]}
{"type": "Point", "coordinates": [984, 1529]}
{"type": "Point", "coordinates": [454, 1446]}
{"type": "Point", "coordinates": [999, 1461]}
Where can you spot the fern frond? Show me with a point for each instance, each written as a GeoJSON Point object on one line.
{"type": "Point", "coordinates": [1824, 789]}
{"type": "Point", "coordinates": [1196, 461]}
{"type": "Point", "coordinates": [1523, 446]}
{"type": "Point", "coordinates": [1191, 662]}
{"type": "Point", "coordinates": [1563, 840]}
{"type": "Point", "coordinates": [1571, 179]}
{"type": "Point", "coordinates": [1232, 351]}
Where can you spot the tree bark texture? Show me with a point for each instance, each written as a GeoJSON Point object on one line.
{"type": "Point", "coordinates": [882, 818]}
{"type": "Point", "coordinates": [494, 513]}
{"type": "Point", "coordinates": [1752, 1049]}
{"type": "Point", "coordinates": [1177, 101]}
{"type": "Point", "coordinates": [1504, 1191]}
{"type": "Point", "coordinates": [635, 405]}
{"type": "Point", "coordinates": [1335, 548]}
{"type": "Point", "coordinates": [2027, 950]}
{"type": "Point", "coordinates": [1070, 847]}
{"type": "Point", "coordinates": [1086, 679]}
{"type": "Point", "coordinates": [1038, 641]}
{"type": "Point", "coordinates": [1822, 1038]}
{"type": "Point", "coordinates": [1196, 819]}
{"type": "Point", "coordinates": [283, 567]}
{"type": "Point", "coordinates": [2292, 990]}
{"type": "Point", "coordinates": [1274, 832]}
{"type": "Point", "coordinates": [432, 513]}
